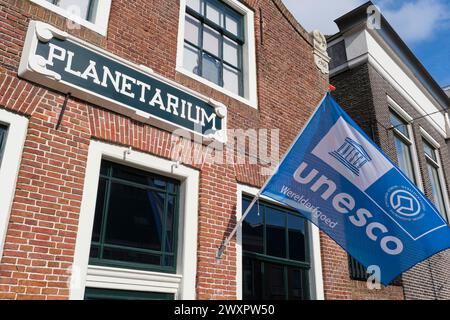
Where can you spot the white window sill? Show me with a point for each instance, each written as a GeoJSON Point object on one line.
{"type": "Point", "coordinates": [250, 103]}
{"type": "Point", "coordinates": [101, 18]}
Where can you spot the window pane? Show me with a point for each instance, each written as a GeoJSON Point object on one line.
{"type": "Point", "coordinates": [211, 69]}
{"type": "Point", "coordinates": [191, 59]}
{"type": "Point", "coordinates": [95, 251]}
{"type": "Point", "coordinates": [213, 13]}
{"type": "Point", "coordinates": [233, 24]}
{"type": "Point", "coordinates": [211, 41]}
{"type": "Point", "coordinates": [296, 282]}
{"type": "Point", "coordinates": [399, 124]}
{"type": "Point", "coordinates": [138, 176]}
{"type": "Point", "coordinates": [192, 30]}
{"type": "Point", "coordinates": [438, 196]}
{"type": "Point", "coordinates": [79, 8]}
{"type": "Point", "coordinates": [252, 229]}
{"type": "Point", "coordinates": [429, 150]}
{"type": "Point", "coordinates": [112, 294]}
{"type": "Point", "coordinates": [252, 279]}
{"type": "Point", "coordinates": [127, 255]}
{"type": "Point", "coordinates": [275, 282]}
{"type": "Point", "coordinates": [194, 4]}
{"type": "Point", "coordinates": [231, 79]}
{"type": "Point", "coordinates": [275, 233]}
{"type": "Point", "coordinates": [231, 52]}
{"type": "Point", "coordinates": [134, 217]}
{"type": "Point", "coordinates": [3, 133]}
{"type": "Point", "coordinates": [99, 210]}
{"type": "Point", "coordinates": [404, 158]}
{"type": "Point", "coordinates": [171, 207]}
{"type": "Point", "coordinates": [296, 227]}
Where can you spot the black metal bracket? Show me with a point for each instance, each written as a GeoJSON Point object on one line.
{"type": "Point", "coordinates": [63, 110]}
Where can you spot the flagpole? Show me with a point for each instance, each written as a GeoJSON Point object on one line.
{"type": "Point", "coordinates": [226, 242]}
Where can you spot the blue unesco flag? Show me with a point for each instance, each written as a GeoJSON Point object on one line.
{"type": "Point", "coordinates": [342, 182]}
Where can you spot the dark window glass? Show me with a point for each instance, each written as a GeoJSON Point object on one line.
{"type": "Point", "coordinates": [296, 227]}
{"type": "Point", "coordinates": [274, 276]}
{"type": "Point", "coordinates": [404, 157]}
{"type": "Point", "coordinates": [135, 219]}
{"type": "Point", "coordinates": [275, 263]}
{"type": "Point", "coordinates": [111, 294]}
{"type": "Point", "coordinates": [436, 188]}
{"type": "Point", "coordinates": [252, 229]}
{"type": "Point", "coordinates": [357, 270]}
{"type": "Point", "coordinates": [399, 124]}
{"type": "Point", "coordinates": [213, 42]}
{"type": "Point", "coordinates": [429, 150]}
{"type": "Point", "coordinates": [296, 283]}
{"type": "Point", "coordinates": [252, 279]}
{"type": "Point", "coordinates": [100, 204]}
{"type": "Point", "coordinates": [3, 133]}
{"type": "Point", "coordinates": [275, 233]}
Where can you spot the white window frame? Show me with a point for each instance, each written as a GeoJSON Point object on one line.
{"type": "Point", "coordinates": [438, 163]}
{"type": "Point", "coordinates": [315, 272]}
{"type": "Point", "coordinates": [9, 167]}
{"type": "Point", "coordinates": [181, 284]}
{"type": "Point", "coordinates": [101, 17]}
{"type": "Point", "coordinates": [249, 56]}
{"type": "Point", "coordinates": [408, 140]}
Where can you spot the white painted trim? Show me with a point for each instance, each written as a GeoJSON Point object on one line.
{"type": "Point", "coordinates": [82, 274]}
{"type": "Point", "coordinates": [363, 46]}
{"type": "Point", "coordinates": [132, 280]}
{"type": "Point", "coordinates": [394, 105]}
{"type": "Point", "coordinates": [393, 71]}
{"type": "Point", "coordinates": [101, 18]}
{"type": "Point", "coordinates": [429, 138]}
{"type": "Point", "coordinates": [315, 275]}
{"type": "Point", "coordinates": [412, 141]}
{"type": "Point", "coordinates": [249, 55]}
{"type": "Point", "coordinates": [9, 167]}
{"type": "Point", "coordinates": [442, 182]}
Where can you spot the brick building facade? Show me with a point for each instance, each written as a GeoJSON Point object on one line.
{"type": "Point", "coordinates": [378, 78]}
{"type": "Point", "coordinates": [67, 154]}
{"type": "Point", "coordinates": [49, 200]}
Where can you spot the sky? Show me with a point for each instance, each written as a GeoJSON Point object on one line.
{"type": "Point", "coordinates": [423, 24]}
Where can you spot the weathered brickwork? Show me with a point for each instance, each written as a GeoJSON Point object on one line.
{"type": "Point", "coordinates": [42, 230]}
{"type": "Point", "coordinates": [355, 94]}
{"type": "Point", "coordinates": [430, 279]}
{"type": "Point", "coordinates": [362, 91]}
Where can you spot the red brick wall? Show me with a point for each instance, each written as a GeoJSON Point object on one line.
{"type": "Point", "coordinates": [41, 235]}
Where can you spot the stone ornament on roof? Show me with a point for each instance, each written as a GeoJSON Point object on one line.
{"type": "Point", "coordinates": [321, 57]}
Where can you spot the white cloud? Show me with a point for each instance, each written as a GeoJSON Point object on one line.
{"type": "Point", "coordinates": [419, 20]}
{"type": "Point", "coordinates": [319, 14]}
{"type": "Point", "coordinates": [414, 20]}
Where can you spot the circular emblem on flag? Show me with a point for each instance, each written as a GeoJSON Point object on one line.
{"type": "Point", "coordinates": [405, 203]}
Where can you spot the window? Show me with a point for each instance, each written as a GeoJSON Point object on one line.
{"type": "Point", "coordinates": [275, 253]}
{"type": "Point", "coordinates": [13, 131]}
{"type": "Point", "coordinates": [216, 46]}
{"type": "Point", "coordinates": [213, 43]}
{"type": "Point", "coordinates": [82, 8]}
{"type": "Point", "coordinates": [434, 174]}
{"type": "Point", "coordinates": [3, 132]}
{"type": "Point", "coordinates": [357, 270]}
{"type": "Point", "coordinates": [92, 14]}
{"type": "Point", "coordinates": [403, 145]}
{"type": "Point", "coordinates": [135, 220]}
{"type": "Point", "coordinates": [110, 294]}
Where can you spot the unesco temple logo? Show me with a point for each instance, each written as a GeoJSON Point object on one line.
{"type": "Point", "coordinates": [352, 155]}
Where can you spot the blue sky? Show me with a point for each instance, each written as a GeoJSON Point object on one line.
{"type": "Point", "coordinates": [423, 24]}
